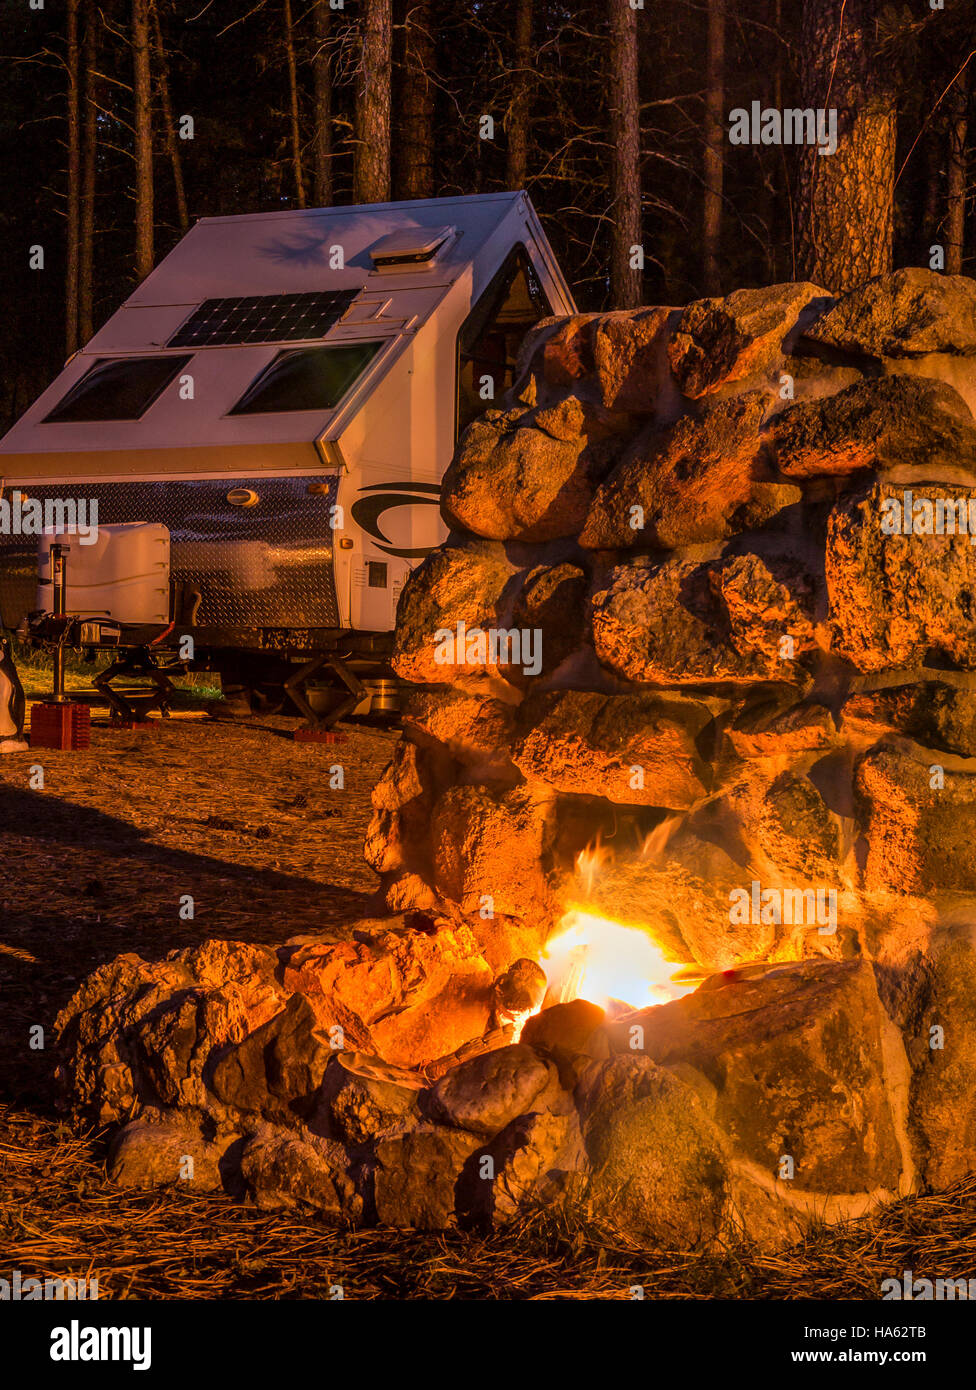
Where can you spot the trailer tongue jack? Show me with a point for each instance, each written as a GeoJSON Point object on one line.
{"type": "Point", "coordinates": [60, 722]}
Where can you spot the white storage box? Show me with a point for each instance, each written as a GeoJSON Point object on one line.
{"type": "Point", "coordinates": [123, 575]}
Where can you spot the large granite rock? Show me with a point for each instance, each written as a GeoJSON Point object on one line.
{"type": "Point", "coordinates": [767, 730]}
{"type": "Point", "coordinates": [934, 714]}
{"type": "Point", "coordinates": [718, 341]}
{"type": "Point", "coordinates": [895, 599]}
{"type": "Point", "coordinates": [563, 1032]}
{"type": "Point", "coordinates": [452, 586]}
{"type": "Point", "coordinates": [630, 362]}
{"type": "Point", "coordinates": [529, 476]}
{"type": "Point", "coordinates": [418, 1175]}
{"type": "Point", "coordinates": [539, 1160]}
{"type": "Point", "coordinates": [918, 822]}
{"type": "Point", "coordinates": [277, 1067]}
{"type": "Point", "coordinates": [911, 312]}
{"type": "Point", "coordinates": [408, 994]}
{"type": "Point", "coordinates": [358, 1107]}
{"type": "Point", "coordinates": [635, 749]}
{"type": "Point", "coordinates": [137, 1035]}
{"type": "Point", "coordinates": [487, 1093]}
{"type": "Point", "coordinates": [892, 421]}
{"type": "Point", "coordinates": [165, 1151]}
{"type": "Point", "coordinates": [474, 830]}
{"type": "Point", "coordinates": [658, 1164]}
{"type": "Point", "coordinates": [687, 622]}
{"type": "Point", "coordinates": [476, 729]}
{"type": "Point", "coordinates": [402, 801]}
{"type": "Point", "coordinates": [285, 1169]}
{"type": "Point", "coordinates": [940, 1036]}
{"type": "Point", "coordinates": [703, 480]}
{"type": "Point", "coordinates": [559, 350]}
{"type": "Point", "coordinates": [797, 832]}
{"type": "Point", "coordinates": [623, 354]}
{"type": "Point", "coordinates": [552, 602]}
{"type": "Point", "coordinates": [797, 1057]}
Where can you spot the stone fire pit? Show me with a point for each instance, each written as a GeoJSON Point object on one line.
{"type": "Point", "coordinates": [698, 659]}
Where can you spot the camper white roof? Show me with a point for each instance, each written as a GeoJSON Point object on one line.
{"type": "Point", "coordinates": [259, 339]}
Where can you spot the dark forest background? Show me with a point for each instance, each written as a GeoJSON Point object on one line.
{"type": "Point", "coordinates": [614, 119]}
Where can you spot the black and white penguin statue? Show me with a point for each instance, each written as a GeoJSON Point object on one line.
{"type": "Point", "coordinates": [12, 703]}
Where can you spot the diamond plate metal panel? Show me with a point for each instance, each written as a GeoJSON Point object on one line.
{"type": "Point", "coordinates": [267, 565]}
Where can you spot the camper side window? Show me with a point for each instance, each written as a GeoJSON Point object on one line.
{"type": "Point", "coordinates": [491, 335]}
{"type": "Point", "coordinates": [314, 378]}
{"type": "Point", "coordinates": [117, 388]}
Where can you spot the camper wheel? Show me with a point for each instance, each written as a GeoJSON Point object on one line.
{"type": "Point", "coordinates": [248, 686]}
{"type": "Point", "coordinates": [239, 700]}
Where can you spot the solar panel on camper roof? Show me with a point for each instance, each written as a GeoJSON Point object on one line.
{"type": "Point", "coordinates": [262, 318]}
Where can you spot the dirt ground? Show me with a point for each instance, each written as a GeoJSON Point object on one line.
{"type": "Point", "coordinates": [237, 815]}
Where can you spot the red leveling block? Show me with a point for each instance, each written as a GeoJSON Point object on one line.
{"type": "Point", "coordinates": [65, 726]}
{"type": "Point", "coordinates": [304, 735]}
{"type": "Point", "coordinates": [145, 725]}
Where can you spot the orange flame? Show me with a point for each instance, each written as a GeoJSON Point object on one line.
{"type": "Point", "coordinates": [655, 841]}
{"type": "Point", "coordinates": [590, 861]}
{"type": "Point", "coordinates": [595, 958]}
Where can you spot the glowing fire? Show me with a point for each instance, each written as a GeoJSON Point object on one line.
{"type": "Point", "coordinates": [590, 861]}
{"type": "Point", "coordinates": [610, 964]}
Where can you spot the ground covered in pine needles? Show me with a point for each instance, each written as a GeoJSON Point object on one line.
{"type": "Point", "coordinates": [60, 1219]}
{"type": "Point", "coordinates": [245, 820]}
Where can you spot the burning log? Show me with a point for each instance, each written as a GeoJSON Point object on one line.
{"type": "Point", "coordinates": [477, 1047]}
{"type": "Point", "coordinates": [518, 993]}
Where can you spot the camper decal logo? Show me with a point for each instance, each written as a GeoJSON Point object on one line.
{"type": "Point", "coordinates": [366, 511]}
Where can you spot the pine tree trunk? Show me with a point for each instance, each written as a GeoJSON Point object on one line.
{"type": "Point", "coordinates": [371, 161]}
{"type": "Point", "coordinates": [142, 125]}
{"type": "Point", "coordinates": [846, 200]}
{"type": "Point", "coordinates": [415, 177]}
{"type": "Point", "coordinates": [322, 79]}
{"type": "Point", "coordinates": [956, 179]}
{"type": "Point", "coordinates": [714, 146]}
{"type": "Point", "coordinates": [775, 220]}
{"type": "Point", "coordinates": [518, 130]}
{"type": "Point", "coordinates": [172, 142]}
{"type": "Point", "coordinates": [74, 185]}
{"type": "Point", "coordinates": [294, 123]}
{"type": "Point", "coordinates": [89, 164]}
{"type": "Point", "coordinates": [625, 283]}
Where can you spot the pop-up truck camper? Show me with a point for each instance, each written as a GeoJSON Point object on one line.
{"type": "Point", "coordinates": [263, 427]}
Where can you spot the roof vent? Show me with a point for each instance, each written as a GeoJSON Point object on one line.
{"type": "Point", "coordinates": [411, 248]}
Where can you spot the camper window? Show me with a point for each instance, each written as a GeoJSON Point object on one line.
{"type": "Point", "coordinates": [314, 378]}
{"type": "Point", "coordinates": [117, 388]}
{"type": "Point", "coordinates": [492, 333]}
